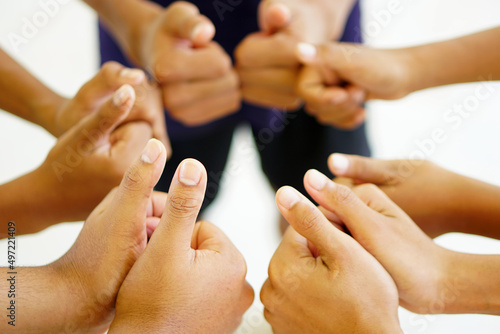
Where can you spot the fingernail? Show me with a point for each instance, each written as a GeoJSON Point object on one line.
{"type": "Point", "coordinates": [306, 51]}
{"type": "Point", "coordinates": [340, 163]}
{"type": "Point", "coordinates": [288, 197]}
{"type": "Point", "coordinates": [152, 151]}
{"type": "Point", "coordinates": [284, 9]}
{"type": "Point", "coordinates": [190, 173]}
{"type": "Point", "coordinates": [202, 31]}
{"type": "Point", "coordinates": [132, 74]}
{"type": "Point", "coordinates": [316, 179]}
{"type": "Point", "coordinates": [123, 94]}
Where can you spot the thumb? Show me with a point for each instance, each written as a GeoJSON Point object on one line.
{"type": "Point", "coordinates": [183, 205]}
{"type": "Point", "coordinates": [340, 200]}
{"type": "Point", "coordinates": [274, 16]}
{"type": "Point", "coordinates": [110, 77]}
{"type": "Point", "coordinates": [183, 20]}
{"type": "Point", "coordinates": [133, 195]}
{"type": "Point", "coordinates": [334, 55]}
{"type": "Point", "coordinates": [92, 130]}
{"type": "Point", "coordinates": [308, 221]}
{"type": "Point", "coordinates": [364, 170]}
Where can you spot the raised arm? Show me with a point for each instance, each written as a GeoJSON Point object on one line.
{"type": "Point", "coordinates": [25, 96]}
{"type": "Point", "coordinates": [438, 200]}
{"type": "Point", "coordinates": [84, 165]}
{"type": "Point", "coordinates": [390, 74]}
{"type": "Point", "coordinates": [445, 281]}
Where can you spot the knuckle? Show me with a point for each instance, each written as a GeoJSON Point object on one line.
{"type": "Point", "coordinates": [133, 178]}
{"type": "Point", "coordinates": [309, 219]}
{"type": "Point", "coordinates": [344, 194]}
{"type": "Point", "coordinates": [182, 205]}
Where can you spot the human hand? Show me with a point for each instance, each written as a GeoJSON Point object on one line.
{"type": "Point", "coordinates": [195, 73]}
{"type": "Point", "coordinates": [426, 192]}
{"type": "Point", "coordinates": [91, 158]}
{"type": "Point", "coordinates": [266, 62]}
{"type": "Point", "coordinates": [147, 107]}
{"type": "Point", "coordinates": [192, 273]}
{"type": "Point", "coordinates": [387, 233]}
{"type": "Point", "coordinates": [322, 281]}
{"type": "Point", "coordinates": [339, 77]}
{"type": "Point", "coordinates": [112, 238]}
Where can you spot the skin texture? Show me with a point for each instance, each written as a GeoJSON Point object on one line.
{"type": "Point", "coordinates": [84, 165]}
{"type": "Point", "coordinates": [175, 46]}
{"type": "Point", "coordinates": [438, 200]}
{"type": "Point", "coordinates": [442, 283]}
{"type": "Point", "coordinates": [265, 60]}
{"type": "Point", "coordinates": [85, 281]}
{"type": "Point", "coordinates": [26, 97]}
{"type": "Point", "coordinates": [322, 281]}
{"type": "Point", "coordinates": [194, 272]}
{"type": "Point", "coordinates": [368, 73]}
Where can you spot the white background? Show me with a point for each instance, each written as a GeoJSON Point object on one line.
{"type": "Point", "coordinates": [64, 55]}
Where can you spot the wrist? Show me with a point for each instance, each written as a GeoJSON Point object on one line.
{"type": "Point", "coordinates": [138, 29]}
{"type": "Point", "coordinates": [45, 110]}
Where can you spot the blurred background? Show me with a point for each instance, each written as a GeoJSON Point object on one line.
{"type": "Point", "coordinates": [64, 55]}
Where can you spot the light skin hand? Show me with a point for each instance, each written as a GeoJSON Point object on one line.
{"type": "Point", "coordinates": [147, 107]}
{"type": "Point", "coordinates": [376, 222]}
{"type": "Point", "coordinates": [339, 77]}
{"type": "Point", "coordinates": [266, 62]}
{"type": "Point", "coordinates": [438, 200]}
{"type": "Point", "coordinates": [85, 281]}
{"type": "Point", "coordinates": [194, 275]}
{"type": "Point", "coordinates": [84, 165]}
{"type": "Point", "coordinates": [365, 73]}
{"type": "Point", "coordinates": [322, 281]}
{"type": "Point", "coordinates": [195, 74]}
{"type": "Point", "coordinates": [430, 279]}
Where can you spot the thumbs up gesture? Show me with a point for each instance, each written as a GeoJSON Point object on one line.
{"type": "Point", "coordinates": [194, 73]}
{"type": "Point", "coordinates": [190, 278]}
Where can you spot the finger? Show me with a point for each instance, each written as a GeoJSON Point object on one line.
{"type": "Point", "coordinates": [259, 50]}
{"type": "Point", "coordinates": [273, 16]}
{"type": "Point", "coordinates": [185, 196]}
{"type": "Point", "coordinates": [160, 133]}
{"type": "Point", "coordinates": [185, 64]}
{"type": "Point", "coordinates": [110, 77]}
{"type": "Point", "coordinates": [187, 92]}
{"type": "Point", "coordinates": [308, 221]}
{"type": "Point", "coordinates": [312, 88]}
{"type": "Point", "coordinates": [338, 199]}
{"type": "Point", "coordinates": [272, 99]}
{"type": "Point", "coordinates": [334, 55]}
{"type": "Point", "coordinates": [183, 20]}
{"type": "Point", "coordinates": [93, 130]}
{"type": "Point", "coordinates": [208, 110]}
{"type": "Point", "coordinates": [364, 169]}
{"type": "Point", "coordinates": [130, 204]}
{"type": "Point", "coordinates": [277, 78]}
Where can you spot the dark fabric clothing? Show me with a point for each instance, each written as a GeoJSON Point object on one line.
{"type": "Point", "coordinates": [298, 142]}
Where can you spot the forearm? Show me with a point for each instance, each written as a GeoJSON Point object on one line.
{"type": "Point", "coordinates": [471, 285]}
{"type": "Point", "coordinates": [28, 201]}
{"type": "Point", "coordinates": [474, 208]}
{"type": "Point", "coordinates": [125, 19]}
{"type": "Point", "coordinates": [466, 59]}
{"type": "Point", "coordinates": [23, 95]}
{"type": "Point", "coordinates": [37, 301]}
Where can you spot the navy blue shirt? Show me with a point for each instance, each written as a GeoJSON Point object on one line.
{"type": "Point", "coordinates": [233, 20]}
